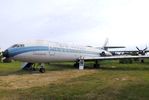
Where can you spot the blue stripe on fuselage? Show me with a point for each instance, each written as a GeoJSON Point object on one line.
{"type": "Point", "coordinates": [15, 51]}
{"type": "Point", "coordinates": [19, 50]}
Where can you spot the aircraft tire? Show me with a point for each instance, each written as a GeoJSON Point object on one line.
{"type": "Point", "coordinates": [42, 70]}
{"type": "Point", "coordinates": [142, 60]}
{"type": "Point", "coordinates": [96, 66]}
{"type": "Point", "coordinates": [33, 69]}
{"type": "Point", "coordinates": [76, 65]}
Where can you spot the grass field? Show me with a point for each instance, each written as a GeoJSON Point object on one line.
{"type": "Point", "coordinates": [61, 81]}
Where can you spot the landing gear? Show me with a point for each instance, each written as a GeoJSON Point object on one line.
{"type": "Point", "coordinates": [42, 69]}
{"type": "Point", "coordinates": [79, 64]}
{"type": "Point", "coordinates": [27, 66]}
{"type": "Point", "coordinates": [96, 65]}
{"type": "Point", "coordinates": [141, 60]}
{"type": "Point", "coordinates": [33, 67]}
{"type": "Point", "coordinates": [76, 65]}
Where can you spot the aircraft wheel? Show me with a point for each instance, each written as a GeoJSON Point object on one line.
{"type": "Point", "coordinates": [142, 60]}
{"type": "Point", "coordinates": [76, 65]}
{"type": "Point", "coordinates": [33, 69]}
{"type": "Point", "coordinates": [42, 70]}
{"type": "Point", "coordinates": [96, 65]}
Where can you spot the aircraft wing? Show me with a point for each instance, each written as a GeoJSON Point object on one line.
{"type": "Point", "coordinates": [115, 57]}
{"type": "Point", "coordinates": [127, 51]}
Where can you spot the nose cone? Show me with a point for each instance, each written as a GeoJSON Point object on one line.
{"type": "Point", "coordinates": [6, 54]}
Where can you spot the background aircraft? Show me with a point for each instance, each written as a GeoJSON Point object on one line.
{"type": "Point", "coordinates": [41, 52]}
{"type": "Point", "coordinates": [137, 51]}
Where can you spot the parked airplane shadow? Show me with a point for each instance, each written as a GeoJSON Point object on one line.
{"type": "Point", "coordinates": [122, 67]}
{"type": "Point", "coordinates": [58, 67]}
{"type": "Point", "coordinates": [61, 67]}
{"type": "Point", "coordinates": [49, 67]}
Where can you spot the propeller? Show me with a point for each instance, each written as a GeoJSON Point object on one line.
{"type": "Point", "coordinates": [142, 52]}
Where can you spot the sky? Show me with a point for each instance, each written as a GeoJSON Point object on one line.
{"type": "Point", "coordinates": [83, 22]}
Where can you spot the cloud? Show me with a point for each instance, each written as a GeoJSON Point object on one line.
{"type": "Point", "coordinates": [84, 21]}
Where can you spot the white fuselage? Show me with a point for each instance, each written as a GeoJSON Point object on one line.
{"type": "Point", "coordinates": [44, 52]}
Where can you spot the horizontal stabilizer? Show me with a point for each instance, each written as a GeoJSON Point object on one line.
{"type": "Point", "coordinates": [105, 47]}
{"type": "Point", "coordinates": [112, 47]}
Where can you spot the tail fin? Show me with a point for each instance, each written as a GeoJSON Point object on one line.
{"type": "Point", "coordinates": [105, 47]}
{"type": "Point", "coordinates": [105, 44]}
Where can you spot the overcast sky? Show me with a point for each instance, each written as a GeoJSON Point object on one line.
{"type": "Point", "coordinates": [84, 22]}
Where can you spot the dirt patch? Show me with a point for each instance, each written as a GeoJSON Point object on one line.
{"type": "Point", "coordinates": [35, 80]}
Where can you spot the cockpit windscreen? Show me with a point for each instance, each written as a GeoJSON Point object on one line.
{"type": "Point", "coordinates": [17, 45]}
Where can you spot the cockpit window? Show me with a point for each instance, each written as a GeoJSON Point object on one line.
{"type": "Point", "coordinates": [17, 45]}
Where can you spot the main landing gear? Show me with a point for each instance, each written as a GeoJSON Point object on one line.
{"type": "Point", "coordinates": [76, 65]}
{"type": "Point", "coordinates": [96, 65]}
{"type": "Point", "coordinates": [80, 64]}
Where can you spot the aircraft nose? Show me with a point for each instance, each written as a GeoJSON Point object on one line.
{"type": "Point", "coordinates": [6, 54]}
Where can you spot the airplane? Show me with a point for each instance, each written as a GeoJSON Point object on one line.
{"type": "Point", "coordinates": [138, 51]}
{"type": "Point", "coordinates": [42, 51]}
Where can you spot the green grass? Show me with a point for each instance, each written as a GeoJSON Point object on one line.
{"type": "Point", "coordinates": [113, 81]}
{"type": "Point", "coordinates": [9, 68]}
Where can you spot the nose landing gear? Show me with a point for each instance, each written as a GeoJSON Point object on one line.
{"type": "Point", "coordinates": [42, 68]}
{"type": "Point", "coordinates": [34, 67]}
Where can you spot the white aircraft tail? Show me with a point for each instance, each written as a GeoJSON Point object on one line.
{"type": "Point", "coordinates": [105, 47]}
{"type": "Point", "coordinates": [105, 44]}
